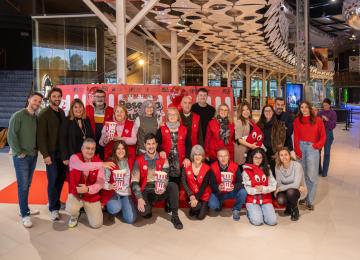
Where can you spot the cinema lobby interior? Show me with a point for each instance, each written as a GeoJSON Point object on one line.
{"type": "Point", "coordinates": [179, 129]}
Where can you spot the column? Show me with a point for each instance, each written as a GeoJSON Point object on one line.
{"type": "Point", "coordinates": [174, 60]}
{"type": "Point", "coordinates": [228, 72]}
{"type": "Point", "coordinates": [263, 89]}
{"type": "Point", "coordinates": [205, 68]}
{"type": "Point", "coordinates": [121, 58]}
{"type": "Point", "coordinates": [248, 83]}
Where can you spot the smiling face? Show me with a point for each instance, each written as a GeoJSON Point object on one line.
{"type": "Point", "coordinates": [34, 102]}
{"type": "Point", "coordinates": [245, 112]}
{"type": "Point", "coordinates": [150, 146]}
{"type": "Point", "coordinates": [78, 110]}
{"type": "Point", "coordinates": [172, 115]}
{"type": "Point", "coordinates": [268, 113]}
{"type": "Point", "coordinates": [149, 110]}
{"type": "Point", "coordinates": [223, 157]}
{"type": "Point", "coordinates": [120, 114]}
{"type": "Point", "coordinates": [198, 158]}
{"type": "Point", "coordinates": [88, 150]}
{"type": "Point", "coordinates": [326, 106]}
{"type": "Point", "coordinates": [257, 159]}
{"type": "Point", "coordinates": [305, 110]}
{"type": "Point", "coordinates": [55, 98]}
{"type": "Point", "coordinates": [284, 156]}
{"type": "Point", "coordinates": [202, 98]}
{"type": "Point", "coordinates": [223, 111]}
{"type": "Point", "coordinates": [99, 100]}
{"type": "Point", "coordinates": [120, 152]}
{"type": "Point", "coordinates": [279, 106]}
{"type": "Point", "coordinates": [186, 105]}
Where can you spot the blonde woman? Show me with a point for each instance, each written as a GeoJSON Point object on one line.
{"type": "Point", "coordinates": [171, 140]}
{"type": "Point", "coordinates": [125, 130]}
{"type": "Point", "coordinates": [290, 183]}
{"type": "Point", "coordinates": [220, 133]}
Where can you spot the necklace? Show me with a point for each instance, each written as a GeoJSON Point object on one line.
{"type": "Point", "coordinates": [81, 128]}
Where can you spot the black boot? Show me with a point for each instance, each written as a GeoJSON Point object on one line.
{"type": "Point", "coordinates": [176, 222]}
{"type": "Point", "coordinates": [287, 211]}
{"type": "Point", "coordinates": [167, 207]}
{"type": "Point", "coordinates": [295, 214]}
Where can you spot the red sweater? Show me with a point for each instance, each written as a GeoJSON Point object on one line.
{"type": "Point", "coordinates": [307, 132]}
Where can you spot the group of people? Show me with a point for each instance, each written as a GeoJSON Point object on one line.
{"type": "Point", "coordinates": [124, 167]}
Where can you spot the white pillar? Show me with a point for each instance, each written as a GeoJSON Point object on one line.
{"type": "Point", "coordinates": [174, 60]}
{"type": "Point", "coordinates": [248, 83]}
{"type": "Point", "coordinates": [263, 89]}
{"type": "Point", "coordinates": [121, 58]}
{"type": "Point", "coordinates": [205, 68]}
{"type": "Point", "coordinates": [228, 71]}
{"type": "Point", "coordinates": [279, 93]}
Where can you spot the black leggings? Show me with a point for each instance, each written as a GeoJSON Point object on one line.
{"type": "Point", "coordinates": [288, 197]}
{"type": "Point", "coordinates": [200, 210]}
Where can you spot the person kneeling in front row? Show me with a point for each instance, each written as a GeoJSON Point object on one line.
{"type": "Point", "coordinates": [259, 183]}
{"type": "Point", "coordinates": [84, 186]}
{"type": "Point", "coordinates": [195, 179]}
{"type": "Point", "coordinates": [150, 182]}
{"type": "Point", "coordinates": [226, 183]}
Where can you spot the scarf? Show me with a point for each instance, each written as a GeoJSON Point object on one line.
{"type": "Point", "coordinates": [224, 129]}
{"type": "Point", "coordinates": [173, 126]}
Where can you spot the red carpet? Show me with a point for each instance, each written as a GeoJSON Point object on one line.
{"type": "Point", "coordinates": [38, 191]}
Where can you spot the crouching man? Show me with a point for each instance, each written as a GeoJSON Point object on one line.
{"type": "Point", "coordinates": [150, 182]}
{"type": "Point", "coordinates": [84, 186]}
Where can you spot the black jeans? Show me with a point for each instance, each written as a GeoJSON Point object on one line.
{"type": "Point", "coordinates": [289, 198]}
{"type": "Point", "coordinates": [56, 174]}
{"type": "Point", "coordinates": [171, 195]}
{"type": "Point", "coordinates": [200, 210]}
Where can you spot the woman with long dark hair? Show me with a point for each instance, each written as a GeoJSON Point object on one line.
{"type": "Point", "coordinates": [274, 133]}
{"type": "Point", "coordinates": [290, 183]}
{"type": "Point", "coordinates": [309, 138]}
{"type": "Point", "coordinates": [74, 130]}
{"type": "Point", "coordinates": [259, 183]}
{"type": "Point", "coordinates": [116, 194]}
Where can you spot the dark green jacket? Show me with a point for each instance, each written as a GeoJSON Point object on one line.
{"type": "Point", "coordinates": [48, 131]}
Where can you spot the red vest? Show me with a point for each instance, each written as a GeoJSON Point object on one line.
{"type": "Point", "coordinates": [77, 177]}
{"type": "Point", "coordinates": [217, 172]}
{"type": "Point", "coordinates": [106, 195]}
{"type": "Point", "coordinates": [143, 167]}
{"type": "Point", "coordinates": [213, 142]}
{"type": "Point", "coordinates": [195, 123]}
{"type": "Point", "coordinates": [166, 141]}
{"type": "Point", "coordinates": [128, 126]}
{"type": "Point", "coordinates": [257, 178]}
{"type": "Point", "coordinates": [194, 184]}
{"type": "Point", "coordinates": [90, 111]}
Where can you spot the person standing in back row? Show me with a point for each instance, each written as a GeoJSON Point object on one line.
{"type": "Point", "coordinates": [48, 142]}
{"type": "Point", "coordinates": [203, 109]}
{"type": "Point", "coordinates": [22, 140]}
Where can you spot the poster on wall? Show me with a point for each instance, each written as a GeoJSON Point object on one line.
{"type": "Point", "coordinates": [132, 96]}
{"type": "Point", "coordinates": [354, 63]}
{"type": "Point", "coordinates": [321, 58]}
{"type": "Point", "coordinates": [294, 95]}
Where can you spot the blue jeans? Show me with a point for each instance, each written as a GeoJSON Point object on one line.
{"type": "Point", "coordinates": [310, 163]}
{"type": "Point", "coordinates": [326, 162]}
{"type": "Point", "coordinates": [24, 169]}
{"type": "Point", "coordinates": [260, 214]}
{"type": "Point", "coordinates": [216, 201]}
{"type": "Point", "coordinates": [56, 174]}
{"type": "Point", "coordinates": [124, 204]}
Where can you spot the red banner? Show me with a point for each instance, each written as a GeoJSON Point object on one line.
{"type": "Point", "coordinates": [134, 95]}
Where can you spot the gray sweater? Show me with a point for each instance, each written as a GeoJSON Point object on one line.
{"type": "Point", "coordinates": [290, 178]}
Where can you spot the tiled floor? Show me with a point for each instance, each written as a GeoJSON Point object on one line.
{"type": "Point", "coordinates": [330, 232]}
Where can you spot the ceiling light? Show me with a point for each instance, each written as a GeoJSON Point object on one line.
{"type": "Point", "coordinates": [141, 62]}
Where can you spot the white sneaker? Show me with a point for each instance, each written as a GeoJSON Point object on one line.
{"type": "Point", "coordinates": [26, 221]}
{"type": "Point", "coordinates": [55, 215]}
{"type": "Point", "coordinates": [32, 212]}
{"type": "Point", "coordinates": [73, 222]}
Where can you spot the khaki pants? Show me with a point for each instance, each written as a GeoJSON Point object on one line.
{"type": "Point", "coordinates": [92, 209]}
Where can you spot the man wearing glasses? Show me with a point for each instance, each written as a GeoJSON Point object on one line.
{"type": "Point", "coordinates": [98, 113]}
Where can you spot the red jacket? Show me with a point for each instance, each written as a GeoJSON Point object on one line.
{"type": "Point", "coordinates": [143, 167]}
{"type": "Point", "coordinates": [195, 123]}
{"type": "Point", "coordinates": [213, 142]}
{"type": "Point", "coordinates": [166, 141]}
{"type": "Point", "coordinates": [77, 177]}
{"type": "Point", "coordinates": [305, 131]}
{"type": "Point", "coordinates": [90, 111]}
{"type": "Point", "coordinates": [217, 172]}
{"type": "Point", "coordinates": [128, 127]}
{"type": "Point", "coordinates": [106, 195]}
{"type": "Point", "coordinates": [195, 183]}
{"type": "Point", "coordinates": [257, 178]}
